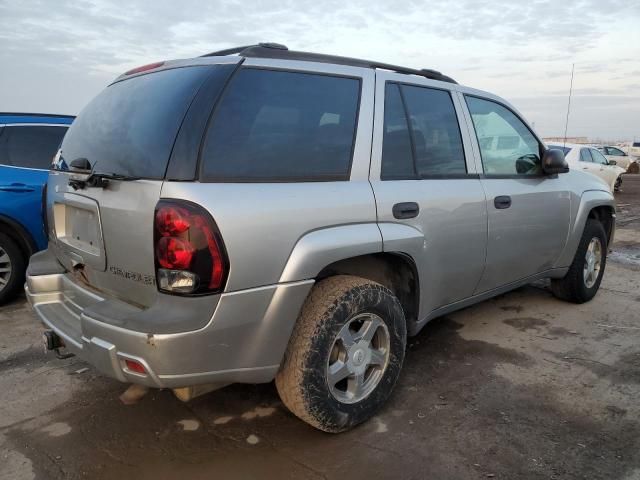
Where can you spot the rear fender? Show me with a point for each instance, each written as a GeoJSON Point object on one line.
{"type": "Point", "coordinates": [319, 248]}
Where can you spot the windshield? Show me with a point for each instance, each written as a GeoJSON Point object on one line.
{"type": "Point", "coordinates": [130, 127]}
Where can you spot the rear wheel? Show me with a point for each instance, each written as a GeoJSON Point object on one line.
{"type": "Point", "coordinates": [618, 184]}
{"type": "Point", "coordinates": [345, 353]}
{"type": "Point", "coordinates": [583, 279]}
{"type": "Point", "coordinates": [12, 267]}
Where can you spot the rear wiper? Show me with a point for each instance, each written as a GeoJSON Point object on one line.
{"type": "Point", "coordinates": [99, 180]}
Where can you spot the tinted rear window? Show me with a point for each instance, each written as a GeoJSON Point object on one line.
{"type": "Point", "coordinates": [130, 127]}
{"type": "Point", "coordinates": [636, 144]}
{"type": "Point", "coordinates": [565, 150]}
{"type": "Point", "coordinates": [30, 146]}
{"type": "Point", "coordinates": [282, 126]}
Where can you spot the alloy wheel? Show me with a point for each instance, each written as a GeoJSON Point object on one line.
{"type": "Point", "coordinates": [592, 262]}
{"type": "Point", "coordinates": [358, 358]}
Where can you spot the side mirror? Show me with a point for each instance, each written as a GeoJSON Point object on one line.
{"type": "Point", "coordinates": [553, 162]}
{"type": "Point", "coordinates": [612, 162]}
{"type": "Point", "coordinates": [80, 165]}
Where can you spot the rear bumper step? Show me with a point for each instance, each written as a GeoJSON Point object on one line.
{"type": "Point", "coordinates": [242, 341]}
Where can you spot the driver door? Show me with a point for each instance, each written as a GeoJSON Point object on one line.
{"type": "Point", "coordinates": [528, 212]}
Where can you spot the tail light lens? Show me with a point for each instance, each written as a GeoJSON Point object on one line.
{"type": "Point", "coordinates": [189, 253]}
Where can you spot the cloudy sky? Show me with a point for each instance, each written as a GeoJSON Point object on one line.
{"type": "Point", "coordinates": [56, 55]}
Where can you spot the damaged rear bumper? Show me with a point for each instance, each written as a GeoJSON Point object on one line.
{"type": "Point", "coordinates": [242, 341]}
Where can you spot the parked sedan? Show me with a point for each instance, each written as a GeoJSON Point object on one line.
{"type": "Point", "coordinates": [591, 160]}
{"type": "Point", "coordinates": [614, 154]}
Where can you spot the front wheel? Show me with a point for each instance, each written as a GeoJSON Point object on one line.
{"type": "Point", "coordinates": [582, 281]}
{"type": "Point", "coordinates": [345, 353]}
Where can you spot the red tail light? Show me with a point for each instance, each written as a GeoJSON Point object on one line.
{"type": "Point", "coordinates": [189, 252]}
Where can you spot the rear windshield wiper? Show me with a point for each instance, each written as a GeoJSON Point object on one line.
{"type": "Point", "coordinates": [99, 180]}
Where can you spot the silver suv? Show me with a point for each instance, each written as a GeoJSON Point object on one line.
{"type": "Point", "coordinates": [259, 213]}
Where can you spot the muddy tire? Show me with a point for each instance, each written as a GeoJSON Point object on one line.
{"type": "Point", "coordinates": [12, 268]}
{"type": "Point", "coordinates": [582, 281]}
{"type": "Point", "coordinates": [618, 184]}
{"type": "Point", "coordinates": [344, 355]}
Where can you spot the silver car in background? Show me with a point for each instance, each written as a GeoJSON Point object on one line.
{"type": "Point", "coordinates": [259, 213]}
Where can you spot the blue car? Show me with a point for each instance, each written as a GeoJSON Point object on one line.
{"type": "Point", "coordinates": [28, 143]}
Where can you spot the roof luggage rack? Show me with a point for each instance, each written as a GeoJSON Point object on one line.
{"type": "Point", "coordinates": [279, 51]}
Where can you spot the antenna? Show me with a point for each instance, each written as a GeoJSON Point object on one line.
{"type": "Point", "coordinates": [566, 123]}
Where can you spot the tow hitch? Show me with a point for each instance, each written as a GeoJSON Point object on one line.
{"type": "Point", "coordinates": [52, 341]}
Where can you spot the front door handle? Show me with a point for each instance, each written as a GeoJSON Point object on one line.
{"type": "Point", "coordinates": [16, 187]}
{"type": "Point", "coordinates": [406, 210]}
{"type": "Point", "coordinates": [501, 202]}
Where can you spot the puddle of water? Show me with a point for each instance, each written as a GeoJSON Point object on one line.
{"type": "Point", "coordinates": [625, 255]}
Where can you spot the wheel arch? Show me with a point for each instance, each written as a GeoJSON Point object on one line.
{"type": "Point", "coordinates": [397, 271]}
{"type": "Point", "coordinates": [596, 204]}
{"type": "Point", "coordinates": [19, 234]}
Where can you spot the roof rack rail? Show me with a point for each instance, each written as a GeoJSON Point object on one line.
{"type": "Point", "coordinates": [31, 114]}
{"type": "Point", "coordinates": [278, 51]}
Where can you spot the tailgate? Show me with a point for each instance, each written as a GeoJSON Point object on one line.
{"type": "Point", "coordinates": [105, 236]}
{"type": "Point", "coordinates": [103, 233]}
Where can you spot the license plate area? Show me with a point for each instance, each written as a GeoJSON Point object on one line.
{"type": "Point", "coordinates": [78, 230]}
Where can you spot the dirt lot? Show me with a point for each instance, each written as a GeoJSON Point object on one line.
{"type": "Point", "coordinates": [522, 386]}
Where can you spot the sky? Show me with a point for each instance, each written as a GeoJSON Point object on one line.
{"type": "Point", "coordinates": [56, 55]}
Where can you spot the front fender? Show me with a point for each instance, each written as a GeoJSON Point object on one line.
{"type": "Point", "coordinates": [589, 200]}
{"type": "Point", "coordinates": [319, 248]}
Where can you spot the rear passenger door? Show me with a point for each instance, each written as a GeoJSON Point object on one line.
{"type": "Point", "coordinates": [26, 152]}
{"type": "Point", "coordinates": [430, 201]}
{"type": "Point", "coordinates": [528, 211]}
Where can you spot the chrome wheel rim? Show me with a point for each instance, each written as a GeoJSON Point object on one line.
{"type": "Point", "coordinates": [5, 268]}
{"type": "Point", "coordinates": [592, 262]}
{"type": "Point", "coordinates": [358, 358]}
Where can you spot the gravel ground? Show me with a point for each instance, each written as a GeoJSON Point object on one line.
{"type": "Point", "coordinates": [522, 386]}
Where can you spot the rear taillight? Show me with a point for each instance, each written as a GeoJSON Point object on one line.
{"type": "Point", "coordinates": [189, 253]}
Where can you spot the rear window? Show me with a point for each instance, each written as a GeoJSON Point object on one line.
{"type": "Point", "coordinates": [636, 144]}
{"type": "Point", "coordinates": [30, 146]}
{"type": "Point", "coordinates": [282, 126]}
{"type": "Point", "coordinates": [565, 150]}
{"type": "Point", "coordinates": [130, 127]}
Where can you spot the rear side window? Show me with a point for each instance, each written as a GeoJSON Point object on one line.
{"type": "Point", "coordinates": [130, 127]}
{"type": "Point", "coordinates": [282, 126]}
{"type": "Point", "coordinates": [30, 146]}
{"type": "Point", "coordinates": [397, 154]}
{"type": "Point", "coordinates": [585, 155]}
{"type": "Point", "coordinates": [421, 134]}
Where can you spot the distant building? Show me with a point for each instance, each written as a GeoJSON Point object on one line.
{"type": "Point", "coordinates": [567, 140]}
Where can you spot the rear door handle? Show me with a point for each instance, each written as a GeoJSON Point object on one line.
{"type": "Point", "coordinates": [406, 210]}
{"type": "Point", "coordinates": [501, 202]}
{"type": "Point", "coordinates": [16, 187]}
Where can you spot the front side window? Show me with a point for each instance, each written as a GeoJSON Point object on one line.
{"type": "Point", "coordinates": [30, 146]}
{"type": "Point", "coordinates": [421, 134]}
{"type": "Point", "coordinates": [614, 151]}
{"type": "Point", "coordinates": [598, 157]}
{"type": "Point", "coordinates": [585, 156]}
{"type": "Point", "coordinates": [282, 126]}
{"type": "Point", "coordinates": [507, 146]}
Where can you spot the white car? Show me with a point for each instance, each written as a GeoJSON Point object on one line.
{"type": "Point", "coordinates": [589, 159]}
{"type": "Point", "coordinates": [634, 149]}
{"type": "Point", "coordinates": [617, 155]}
